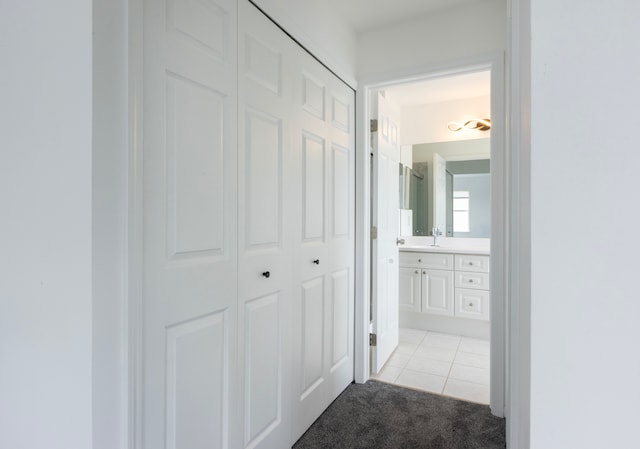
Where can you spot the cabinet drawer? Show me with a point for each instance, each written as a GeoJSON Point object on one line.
{"type": "Point", "coordinates": [468, 262]}
{"type": "Point", "coordinates": [434, 261]}
{"type": "Point", "coordinates": [476, 281]}
{"type": "Point", "coordinates": [472, 304]}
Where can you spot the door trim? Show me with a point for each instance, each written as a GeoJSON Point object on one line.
{"type": "Point", "coordinates": [500, 213]}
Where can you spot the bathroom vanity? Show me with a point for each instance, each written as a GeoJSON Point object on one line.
{"type": "Point", "coordinates": [445, 288]}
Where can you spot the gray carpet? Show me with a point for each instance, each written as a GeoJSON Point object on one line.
{"type": "Point", "coordinates": [377, 415]}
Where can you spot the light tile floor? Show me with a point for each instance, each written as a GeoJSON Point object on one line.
{"type": "Point", "coordinates": [445, 364]}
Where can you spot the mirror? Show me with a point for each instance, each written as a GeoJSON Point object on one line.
{"type": "Point", "coordinates": [446, 184]}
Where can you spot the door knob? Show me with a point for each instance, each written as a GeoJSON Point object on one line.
{"type": "Point", "coordinates": [317, 261]}
{"type": "Point", "coordinates": [266, 274]}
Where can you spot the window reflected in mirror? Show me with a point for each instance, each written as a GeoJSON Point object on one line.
{"type": "Point", "coordinates": [448, 185]}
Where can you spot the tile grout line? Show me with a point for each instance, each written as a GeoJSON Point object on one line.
{"type": "Point", "coordinates": [451, 366]}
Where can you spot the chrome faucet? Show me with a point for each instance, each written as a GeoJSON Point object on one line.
{"type": "Point", "coordinates": [435, 232]}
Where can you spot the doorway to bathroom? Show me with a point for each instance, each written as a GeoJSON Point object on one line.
{"type": "Point", "coordinates": [450, 326]}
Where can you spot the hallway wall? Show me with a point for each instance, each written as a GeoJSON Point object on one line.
{"type": "Point", "coordinates": [584, 243]}
{"type": "Point", "coordinates": [45, 230]}
{"type": "Point", "coordinates": [467, 32]}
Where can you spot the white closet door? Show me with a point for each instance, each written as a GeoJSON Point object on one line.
{"type": "Point", "coordinates": [323, 316]}
{"type": "Point", "coordinates": [265, 230]}
{"type": "Point", "coordinates": [189, 309]}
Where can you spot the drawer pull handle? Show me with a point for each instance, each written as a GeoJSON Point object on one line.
{"type": "Point", "coordinates": [266, 274]}
{"type": "Point", "coordinates": [317, 261]}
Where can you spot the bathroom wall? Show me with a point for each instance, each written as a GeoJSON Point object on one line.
{"type": "Point", "coordinates": [428, 123]}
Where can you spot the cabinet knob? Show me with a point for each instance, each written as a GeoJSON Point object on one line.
{"type": "Point", "coordinates": [470, 281]}
{"type": "Point", "coordinates": [419, 260]}
{"type": "Point", "coordinates": [424, 272]}
{"type": "Point", "coordinates": [317, 261]}
{"type": "Point", "coordinates": [417, 271]}
{"type": "Point", "coordinates": [266, 274]}
{"type": "Point", "coordinates": [470, 304]}
{"type": "Point", "coordinates": [470, 263]}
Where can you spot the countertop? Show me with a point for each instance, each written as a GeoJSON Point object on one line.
{"type": "Point", "coordinates": [447, 245]}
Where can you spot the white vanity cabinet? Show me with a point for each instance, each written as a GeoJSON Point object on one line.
{"type": "Point", "coordinates": [472, 286]}
{"type": "Point", "coordinates": [409, 284]}
{"type": "Point", "coordinates": [443, 284]}
{"type": "Point", "coordinates": [427, 283]}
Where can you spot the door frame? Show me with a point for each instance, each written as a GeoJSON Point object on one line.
{"type": "Point", "coordinates": [500, 211]}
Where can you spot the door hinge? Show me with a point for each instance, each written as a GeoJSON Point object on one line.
{"type": "Point", "coordinates": [374, 125]}
{"type": "Point", "coordinates": [373, 340]}
{"type": "Point", "coordinates": [374, 233]}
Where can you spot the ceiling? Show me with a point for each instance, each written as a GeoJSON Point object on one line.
{"type": "Point", "coordinates": [365, 15]}
{"type": "Point", "coordinates": [439, 90]}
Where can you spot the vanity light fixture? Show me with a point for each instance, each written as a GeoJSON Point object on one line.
{"type": "Point", "coordinates": [479, 124]}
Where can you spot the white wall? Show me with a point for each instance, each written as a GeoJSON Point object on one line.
{"type": "Point", "coordinates": [468, 32]}
{"type": "Point", "coordinates": [110, 139]}
{"type": "Point", "coordinates": [428, 123]}
{"type": "Point", "coordinates": [585, 303]}
{"type": "Point", "coordinates": [45, 230]}
{"type": "Point", "coordinates": [453, 151]}
{"type": "Point", "coordinates": [320, 29]}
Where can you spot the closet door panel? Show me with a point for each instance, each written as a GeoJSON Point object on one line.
{"type": "Point", "coordinates": [313, 186]}
{"type": "Point", "coordinates": [313, 306]}
{"type": "Point", "coordinates": [324, 244]}
{"type": "Point", "coordinates": [195, 169]}
{"type": "Point", "coordinates": [188, 332]}
{"type": "Point", "coordinates": [265, 226]}
{"type": "Point", "coordinates": [340, 244]}
{"type": "Point", "coordinates": [340, 316]}
{"type": "Point", "coordinates": [263, 371]}
{"type": "Point", "coordinates": [263, 166]}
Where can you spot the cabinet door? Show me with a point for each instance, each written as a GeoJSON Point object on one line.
{"type": "Point", "coordinates": [437, 292]}
{"type": "Point", "coordinates": [409, 289]}
{"type": "Point", "coordinates": [472, 304]}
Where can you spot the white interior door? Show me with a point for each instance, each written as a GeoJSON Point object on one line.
{"type": "Point", "coordinates": [189, 309]}
{"type": "Point", "coordinates": [266, 226]}
{"type": "Point", "coordinates": [385, 218]}
{"type": "Point", "coordinates": [323, 317]}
